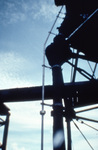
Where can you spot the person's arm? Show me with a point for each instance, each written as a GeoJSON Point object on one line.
{"type": "Point", "coordinates": [60, 2]}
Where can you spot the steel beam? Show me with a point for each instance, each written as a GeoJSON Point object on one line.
{"type": "Point", "coordinates": [82, 93]}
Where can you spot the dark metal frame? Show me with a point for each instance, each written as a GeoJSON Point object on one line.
{"type": "Point", "coordinates": [4, 123]}
{"type": "Point", "coordinates": [66, 111]}
{"type": "Point", "coordinates": [58, 91]}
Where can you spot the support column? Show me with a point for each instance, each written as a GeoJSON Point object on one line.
{"type": "Point", "coordinates": [5, 132]}
{"type": "Point", "coordinates": [68, 135]}
{"type": "Point", "coordinates": [58, 130]}
{"type": "Point", "coordinates": [69, 114]}
{"type": "Point", "coordinates": [4, 111]}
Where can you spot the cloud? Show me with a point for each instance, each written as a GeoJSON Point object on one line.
{"type": "Point", "coordinates": [25, 122]}
{"type": "Point", "coordinates": [27, 115]}
{"type": "Point", "coordinates": [24, 118]}
{"type": "Point", "coordinates": [16, 11]}
{"type": "Point", "coordinates": [12, 70]}
{"type": "Point", "coordinates": [15, 146]}
{"type": "Point", "coordinates": [45, 10]}
{"type": "Point", "coordinates": [11, 12]}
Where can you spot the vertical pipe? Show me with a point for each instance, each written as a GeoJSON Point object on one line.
{"type": "Point", "coordinates": [58, 130]}
{"type": "Point", "coordinates": [68, 135]}
{"type": "Point", "coordinates": [69, 113]}
{"type": "Point", "coordinates": [5, 132]}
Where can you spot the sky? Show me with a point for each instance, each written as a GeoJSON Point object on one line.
{"type": "Point", "coordinates": [24, 27]}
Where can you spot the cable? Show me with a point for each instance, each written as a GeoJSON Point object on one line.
{"type": "Point", "coordinates": [78, 117]}
{"type": "Point", "coordinates": [88, 125]}
{"type": "Point", "coordinates": [80, 111]}
{"type": "Point", "coordinates": [90, 66]}
{"type": "Point", "coordinates": [94, 69]}
{"type": "Point", "coordinates": [89, 17]}
{"type": "Point", "coordinates": [42, 112]}
{"type": "Point", "coordinates": [83, 135]}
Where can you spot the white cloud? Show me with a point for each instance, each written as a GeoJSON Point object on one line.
{"type": "Point", "coordinates": [14, 146]}
{"type": "Point", "coordinates": [27, 115]}
{"type": "Point", "coordinates": [17, 17]}
{"type": "Point", "coordinates": [12, 12]}
{"type": "Point", "coordinates": [10, 59]}
{"type": "Point", "coordinates": [22, 114]}
{"type": "Point", "coordinates": [45, 10]}
{"type": "Point", "coordinates": [12, 70]}
{"type": "Point", "coordinates": [16, 11]}
{"type": "Point", "coordinates": [25, 126]}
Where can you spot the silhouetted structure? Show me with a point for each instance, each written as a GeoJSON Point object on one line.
{"type": "Point", "coordinates": [81, 36]}
{"type": "Point", "coordinates": [84, 40]}
{"type": "Point", "coordinates": [4, 111]}
{"type": "Point", "coordinates": [79, 31]}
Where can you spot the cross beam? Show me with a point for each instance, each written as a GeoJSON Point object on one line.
{"type": "Point", "coordinates": [82, 93]}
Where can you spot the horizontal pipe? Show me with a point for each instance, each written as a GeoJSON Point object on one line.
{"type": "Point", "coordinates": [82, 93]}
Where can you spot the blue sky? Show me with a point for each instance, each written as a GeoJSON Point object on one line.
{"type": "Point", "coordinates": [24, 26]}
